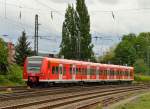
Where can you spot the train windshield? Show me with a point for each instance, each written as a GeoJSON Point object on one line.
{"type": "Point", "coordinates": [34, 64]}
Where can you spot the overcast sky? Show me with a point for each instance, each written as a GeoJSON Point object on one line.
{"type": "Point", "coordinates": [129, 16]}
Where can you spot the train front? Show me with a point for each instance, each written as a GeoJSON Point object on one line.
{"type": "Point", "coordinates": [32, 70]}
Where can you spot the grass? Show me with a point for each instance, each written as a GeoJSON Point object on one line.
{"type": "Point", "coordinates": [142, 78]}
{"type": "Point", "coordinates": [13, 77]}
{"type": "Point", "coordinates": [142, 102]}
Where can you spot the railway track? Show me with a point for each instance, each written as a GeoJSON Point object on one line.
{"type": "Point", "coordinates": [13, 88]}
{"type": "Point", "coordinates": [74, 98]}
{"type": "Point", "coordinates": [48, 91]}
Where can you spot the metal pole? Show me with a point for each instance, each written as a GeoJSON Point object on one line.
{"type": "Point", "coordinates": [35, 38]}
{"type": "Point", "coordinates": [36, 35]}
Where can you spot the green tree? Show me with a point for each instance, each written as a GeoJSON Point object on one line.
{"type": "Point", "coordinates": [3, 57]}
{"type": "Point", "coordinates": [142, 46]}
{"type": "Point", "coordinates": [125, 53]}
{"type": "Point", "coordinates": [23, 49]}
{"type": "Point", "coordinates": [76, 37]}
{"type": "Point", "coordinates": [140, 67]}
{"type": "Point", "coordinates": [69, 34]}
{"type": "Point", "coordinates": [108, 57]}
{"type": "Point", "coordinates": [84, 31]}
{"type": "Point", "coordinates": [129, 37]}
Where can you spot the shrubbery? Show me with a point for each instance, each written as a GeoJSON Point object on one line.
{"type": "Point", "coordinates": [142, 78]}
{"type": "Point", "coordinates": [13, 76]}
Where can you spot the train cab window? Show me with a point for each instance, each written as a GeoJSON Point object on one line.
{"type": "Point", "coordinates": [55, 70]}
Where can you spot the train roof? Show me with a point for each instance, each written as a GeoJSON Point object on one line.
{"type": "Point", "coordinates": [83, 62]}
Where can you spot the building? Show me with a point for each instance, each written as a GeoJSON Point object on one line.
{"type": "Point", "coordinates": [11, 52]}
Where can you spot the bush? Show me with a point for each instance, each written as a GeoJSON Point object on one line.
{"type": "Point", "coordinates": [142, 78]}
{"type": "Point", "coordinates": [12, 77]}
{"type": "Point", "coordinates": [4, 80]}
{"type": "Point", "coordinates": [15, 74]}
{"type": "Point", "coordinates": [141, 67]}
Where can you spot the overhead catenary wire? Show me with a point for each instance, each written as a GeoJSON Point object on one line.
{"type": "Point", "coordinates": [45, 5]}
{"type": "Point", "coordinates": [30, 8]}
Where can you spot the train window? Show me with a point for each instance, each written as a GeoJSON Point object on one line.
{"type": "Point", "coordinates": [77, 71]}
{"type": "Point", "coordinates": [70, 69]}
{"type": "Point", "coordinates": [118, 73]}
{"type": "Point", "coordinates": [125, 73]}
{"type": "Point", "coordinates": [88, 70]}
{"type": "Point", "coordinates": [60, 69]}
{"type": "Point", "coordinates": [73, 70]}
{"type": "Point", "coordinates": [56, 70]}
{"type": "Point", "coordinates": [53, 70]}
{"type": "Point", "coordinates": [110, 73]}
{"type": "Point", "coordinates": [105, 72]}
{"type": "Point", "coordinates": [85, 71]}
{"type": "Point", "coordinates": [99, 71]}
{"type": "Point", "coordinates": [82, 71]}
{"type": "Point", "coordinates": [92, 71]}
{"type": "Point", "coordinates": [64, 70]}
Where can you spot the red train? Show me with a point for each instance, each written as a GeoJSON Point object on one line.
{"type": "Point", "coordinates": [51, 70]}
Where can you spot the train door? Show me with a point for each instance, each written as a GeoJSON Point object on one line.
{"type": "Point", "coordinates": [55, 72]}
{"type": "Point", "coordinates": [60, 71]}
{"type": "Point", "coordinates": [128, 74]}
{"type": "Point", "coordinates": [97, 73]}
{"type": "Point", "coordinates": [115, 74]}
{"type": "Point", "coordinates": [88, 72]}
{"type": "Point", "coordinates": [64, 74]}
{"type": "Point", "coordinates": [108, 74]}
{"type": "Point", "coordinates": [74, 72]}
